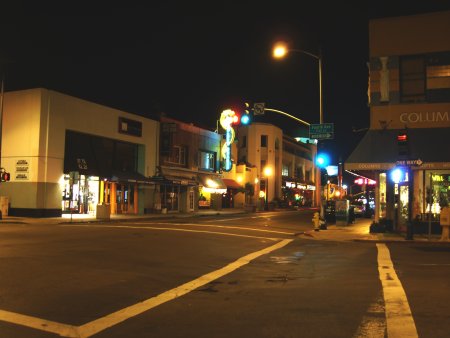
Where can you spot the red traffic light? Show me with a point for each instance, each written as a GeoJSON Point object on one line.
{"type": "Point", "coordinates": [5, 176]}
{"type": "Point", "coordinates": [402, 137]}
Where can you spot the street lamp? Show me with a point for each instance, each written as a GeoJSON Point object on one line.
{"type": "Point", "coordinates": [281, 49]}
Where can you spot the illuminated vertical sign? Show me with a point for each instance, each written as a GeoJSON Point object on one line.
{"type": "Point", "coordinates": [227, 118]}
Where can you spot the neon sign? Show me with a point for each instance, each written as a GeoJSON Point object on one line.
{"type": "Point", "coordinates": [227, 118]}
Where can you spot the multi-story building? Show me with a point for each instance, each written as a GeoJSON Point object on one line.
{"type": "Point", "coordinates": [284, 166]}
{"type": "Point", "coordinates": [67, 155]}
{"type": "Point", "coordinates": [188, 171]}
{"type": "Point", "coordinates": [298, 171]}
{"type": "Point", "coordinates": [409, 95]}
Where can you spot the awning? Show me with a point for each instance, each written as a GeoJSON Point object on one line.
{"type": "Point", "coordinates": [212, 184]}
{"type": "Point", "coordinates": [378, 149]}
{"type": "Point", "coordinates": [176, 177]}
{"type": "Point", "coordinates": [231, 184]}
{"type": "Point", "coordinates": [132, 177]}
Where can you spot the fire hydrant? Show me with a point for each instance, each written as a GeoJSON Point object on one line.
{"type": "Point", "coordinates": [316, 221]}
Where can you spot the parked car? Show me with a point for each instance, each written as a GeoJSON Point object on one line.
{"type": "Point", "coordinates": [358, 208]}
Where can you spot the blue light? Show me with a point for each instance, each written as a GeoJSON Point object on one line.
{"type": "Point", "coordinates": [397, 175]}
{"type": "Point", "coordinates": [245, 119]}
{"type": "Point", "coordinates": [322, 160]}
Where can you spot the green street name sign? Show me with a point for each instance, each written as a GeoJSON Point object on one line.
{"type": "Point", "coordinates": [321, 131]}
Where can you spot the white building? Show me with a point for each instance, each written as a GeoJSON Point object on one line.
{"type": "Point", "coordinates": [65, 154]}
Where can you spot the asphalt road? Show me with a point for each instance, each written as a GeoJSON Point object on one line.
{"type": "Point", "coordinates": [248, 275]}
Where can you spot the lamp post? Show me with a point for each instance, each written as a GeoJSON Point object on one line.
{"type": "Point", "coordinates": [280, 50]}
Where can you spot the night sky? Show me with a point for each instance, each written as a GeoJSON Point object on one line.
{"type": "Point", "coordinates": [193, 59]}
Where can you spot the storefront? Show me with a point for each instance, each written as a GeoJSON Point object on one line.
{"type": "Point", "coordinates": [211, 190]}
{"type": "Point", "coordinates": [406, 190]}
{"type": "Point", "coordinates": [298, 193]}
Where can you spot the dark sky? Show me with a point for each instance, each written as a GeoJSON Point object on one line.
{"type": "Point", "coordinates": [193, 59]}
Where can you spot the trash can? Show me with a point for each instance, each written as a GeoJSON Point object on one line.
{"type": "Point", "coordinates": [351, 214]}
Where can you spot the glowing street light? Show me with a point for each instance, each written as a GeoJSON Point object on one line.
{"type": "Point", "coordinates": [281, 49]}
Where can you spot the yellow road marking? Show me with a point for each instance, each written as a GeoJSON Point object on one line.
{"type": "Point", "coordinates": [400, 322]}
{"type": "Point", "coordinates": [168, 229]}
{"type": "Point", "coordinates": [224, 226]}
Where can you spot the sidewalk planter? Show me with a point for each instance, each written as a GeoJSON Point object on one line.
{"type": "Point", "coordinates": [103, 211]}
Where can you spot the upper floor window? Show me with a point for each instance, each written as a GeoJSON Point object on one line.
{"type": "Point", "coordinates": [285, 170]}
{"type": "Point", "coordinates": [277, 143]}
{"type": "Point", "coordinates": [412, 78]}
{"type": "Point", "coordinates": [207, 160]}
{"type": "Point", "coordinates": [244, 141]}
{"type": "Point", "coordinates": [263, 140]}
{"type": "Point", "coordinates": [177, 155]}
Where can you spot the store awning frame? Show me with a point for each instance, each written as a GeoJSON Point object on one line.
{"type": "Point", "coordinates": [378, 149]}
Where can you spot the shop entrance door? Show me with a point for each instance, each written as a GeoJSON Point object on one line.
{"type": "Point", "coordinates": [126, 198]}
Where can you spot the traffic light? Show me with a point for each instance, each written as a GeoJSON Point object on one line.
{"type": "Point", "coordinates": [403, 145]}
{"type": "Point", "coordinates": [246, 116]}
{"type": "Point", "coordinates": [322, 159]}
{"type": "Point", "coordinates": [5, 176]}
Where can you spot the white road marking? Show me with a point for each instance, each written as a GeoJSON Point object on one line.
{"type": "Point", "coordinates": [400, 322]}
{"type": "Point", "coordinates": [235, 218]}
{"type": "Point", "coordinates": [117, 317]}
{"type": "Point", "coordinates": [100, 324]}
{"type": "Point", "coordinates": [222, 226]}
{"type": "Point", "coordinates": [166, 229]}
{"type": "Point", "coordinates": [63, 330]}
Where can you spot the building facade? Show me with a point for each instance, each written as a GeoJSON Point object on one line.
{"type": "Point", "coordinates": [406, 148]}
{"type": "Point", "coordinates": [285, 170]}
{"type": "Point", "coordinates": [67, 155]}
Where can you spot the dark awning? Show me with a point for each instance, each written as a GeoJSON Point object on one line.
{"type": "Point", "coordinates": [378, 149]}
{"type": "Point", "coordinates": [176, 176]}
{"type": "Point", "coordinates": [132, 177]}
{"type": "Point", "coordinates": [232, 184]}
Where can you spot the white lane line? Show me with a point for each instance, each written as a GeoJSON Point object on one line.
{"type": "Point", "coordinates": [63, 330]}
{"type": "Point", "coordinates": [166, 229]}
{"type": "Point", "coordinates": [117, 317]}
{"type": "Point", "coordinates": [400, 322]}
{"type": "Point", "coordinates": [232, 219]}
{"type": "Point", "coordinates": [221, 226]}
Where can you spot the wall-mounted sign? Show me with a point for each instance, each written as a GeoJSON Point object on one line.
{"type": "Point", "coordinates": [130, 127]}
{"type": "Point", "coordinates": [22, 170]}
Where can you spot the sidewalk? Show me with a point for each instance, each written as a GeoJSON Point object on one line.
{"type": "Point", "coordinates": [360, 231]}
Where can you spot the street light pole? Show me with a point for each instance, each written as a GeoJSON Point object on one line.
{"type": "Point", "coordinates": [279, 51]}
